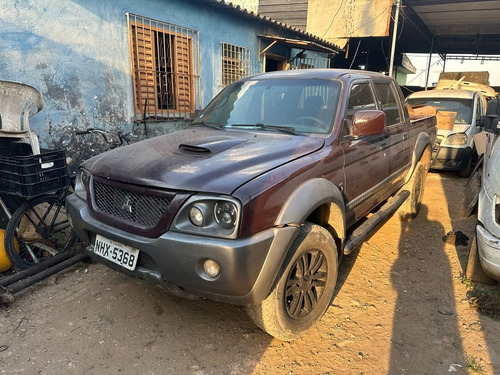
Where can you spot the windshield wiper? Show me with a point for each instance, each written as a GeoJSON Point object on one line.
{"type": "Point", "coordinates": [284, 129]}
{"type": "Point", "coordinates": [214, 125]}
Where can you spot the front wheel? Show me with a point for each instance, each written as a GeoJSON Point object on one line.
{"type": "Point", "coordinates": [38, 230]}
{"type": "Point", "coordinates": [304, 290]}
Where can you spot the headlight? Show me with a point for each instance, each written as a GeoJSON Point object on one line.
{"type": "Point", "coordinates": [214, 216]}
{"type": "Point", "coordinates": [226, 214]}
{"type": "Point", "coordinates": [81, 183]}
{"type": "Point", "coordinates": [457, 139]}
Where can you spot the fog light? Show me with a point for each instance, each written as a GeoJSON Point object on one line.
{"type": "Point", "coordinates": [196, 216]}
{"type": "Point", "coordinates": [211, 268]}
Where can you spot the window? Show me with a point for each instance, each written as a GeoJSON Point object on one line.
{"type": "Point", "coordinates": [164, 71]}
{"type": "Point", "coordinates": [388, 103]}
{"type": "Point", "coordinates": [235, 63]}
{"type": "Point", "coordinates": [360, 98]}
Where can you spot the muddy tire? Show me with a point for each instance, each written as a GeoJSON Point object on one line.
{"type": "Point", "coordinates": [303, 290]}
{"type": "Point", "coordinates": [409, 209]}
{"type": "Point", "coordinates": [467, 171]}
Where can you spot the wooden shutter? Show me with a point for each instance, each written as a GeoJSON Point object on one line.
{"type": "Point", "coordinates": [183, 73]}
{"type": "Point", "coordinates": [144, 69]}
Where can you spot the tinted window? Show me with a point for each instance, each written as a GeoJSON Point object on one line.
{"type": "Point", "coordinates": [389, 103]}
{"type": "Point", "coordinates": [360, 98]}
{"type": "Point", "coordinates": [307, 105]}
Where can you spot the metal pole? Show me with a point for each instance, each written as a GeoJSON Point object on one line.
{"type": "Point", "coordinates": [394, 32]}
{"type": "Point", "coordinates": [429, 64]}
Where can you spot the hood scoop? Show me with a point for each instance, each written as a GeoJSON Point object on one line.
{"type": "Point", "coordinates": [210, 146]}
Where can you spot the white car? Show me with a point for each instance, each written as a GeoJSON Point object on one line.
{"type": "Point", "coordinates": [454, 149]}
{"type": "Point", "coordinates": [488, 226]}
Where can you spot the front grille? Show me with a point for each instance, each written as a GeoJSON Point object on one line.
{"type": "Point", "coordinates": [133, 207]}
{"type": "Point", "coordinates": [146, 261]}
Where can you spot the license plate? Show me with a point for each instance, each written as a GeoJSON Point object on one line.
{"type": "Point", "coordinates": [116, 252]}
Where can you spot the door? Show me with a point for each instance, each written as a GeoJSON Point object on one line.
{"type": "Point", "coordinates": [366, 157]}
{"type": "Point", "coordinates": [397, 132]}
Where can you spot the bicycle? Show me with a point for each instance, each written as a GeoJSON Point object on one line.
{"type": "Point", "coordinates": [39, 228]}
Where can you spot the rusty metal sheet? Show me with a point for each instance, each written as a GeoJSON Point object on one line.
{"type": "Point", "coordinates": [337, 20]}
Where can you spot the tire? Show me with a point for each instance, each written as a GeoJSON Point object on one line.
{"type": "Point", "coordinates": [410, 207]}
{"type": "Point", "coordinates": [299, 299]}
{"type": "Point", "coordinates": [38, 230]}
{"type": "Point", "coordinates": [467, 171]}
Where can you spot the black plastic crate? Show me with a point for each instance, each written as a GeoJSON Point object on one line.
{"type": "Point", "coordinates": [28, 176]}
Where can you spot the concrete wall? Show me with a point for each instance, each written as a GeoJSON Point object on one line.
{"type": "Point", "coordinates": [76, 53]}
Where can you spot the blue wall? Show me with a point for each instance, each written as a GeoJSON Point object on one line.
{"type": "Point", "coordinates": [77, 54]}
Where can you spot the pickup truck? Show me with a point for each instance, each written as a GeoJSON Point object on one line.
{"type": "Point", "coordinates": [454, 149]}
{"type": "Point", "coordinates": [256, 202]}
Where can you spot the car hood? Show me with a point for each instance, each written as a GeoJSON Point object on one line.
{"type": "Point", "coordinates": [200, 159]}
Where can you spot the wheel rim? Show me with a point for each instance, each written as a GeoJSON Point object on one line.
{"type": "Point", "coordinates": [42, 232]}
{"type": "Point", "coordinates": [305, 284]}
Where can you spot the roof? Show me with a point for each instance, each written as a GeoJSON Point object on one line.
{"type": "Point", "coordinates": [299, 34]}
{"type": "Point", "coordinates": [318, 74]}
{"type": "Point", "coordinates": [460, 94]}
{"type": "Point", "coordinates": [458, 26]}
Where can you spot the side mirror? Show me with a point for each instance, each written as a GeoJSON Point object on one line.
{"type": "Point", "coordinates": [489, 122]}
{"type": "Point", "coordinates": [369, 122]}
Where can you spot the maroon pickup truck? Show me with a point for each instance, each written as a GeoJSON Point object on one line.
{"type": "Point", "coordinates": [258, 199]}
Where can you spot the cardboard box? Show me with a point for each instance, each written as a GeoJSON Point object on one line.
{"type": "Point", "coordinates": [425, 110]}
{"type": "Point", "coordinates": [445, 120]}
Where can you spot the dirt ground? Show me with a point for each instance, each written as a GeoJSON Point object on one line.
{"type": "Point", "coordinates": [401, 308]}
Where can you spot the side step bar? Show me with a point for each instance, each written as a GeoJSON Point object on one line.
{"type": "Point", "coordinates": [373, 222]}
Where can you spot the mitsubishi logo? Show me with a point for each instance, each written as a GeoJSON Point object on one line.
{"type": "Point", "coordinates": [127, 204]}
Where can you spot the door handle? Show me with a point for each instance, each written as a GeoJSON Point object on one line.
{"type": "Point", "coordinates": [405, 136]}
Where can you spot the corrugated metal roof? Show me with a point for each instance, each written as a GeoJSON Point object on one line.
{"type": "Point", "coordinates": [241, 12]}
{"type": "Point", "coordinates": [458, 26]}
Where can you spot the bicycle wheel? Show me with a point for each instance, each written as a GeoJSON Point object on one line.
{"type": "Point", "coordinates": [38, 230]}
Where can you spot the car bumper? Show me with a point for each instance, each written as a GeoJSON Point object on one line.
{"type": "Point", "coordinates": [489, 252]}
{"type": "Point", "coordinates": [450, 158]}
{"type": "Point", "coordinates": [248, 266]}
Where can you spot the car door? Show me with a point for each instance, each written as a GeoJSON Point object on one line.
{"type": "Point", "coordinates": [397, 132]}
{"type": "Point", "coordinates": [366, 160]}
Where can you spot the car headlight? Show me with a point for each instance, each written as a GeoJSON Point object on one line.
{"type": "Point", "coordinates": [81, 183]}
{"type": "Point", "coordinates": [214, 216]}
{"type": "Point", "coordinates": [457, 139]}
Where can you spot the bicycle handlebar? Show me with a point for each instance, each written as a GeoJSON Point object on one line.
{"type": "Point", "coordinates": [105, 134]}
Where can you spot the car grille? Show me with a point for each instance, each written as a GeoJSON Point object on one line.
{"type": "Point", "coordinates": [146, 210]}
{"type": "Point", "coordinates": [146, 261]}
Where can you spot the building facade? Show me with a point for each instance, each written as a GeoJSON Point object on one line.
{"type": "Point", "coordinates": [149, 65]}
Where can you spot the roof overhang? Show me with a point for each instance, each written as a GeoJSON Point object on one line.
{"type": "Point", "coordinates": [300, 44]}
{"type": "Point", "coordinates": [452, 26]}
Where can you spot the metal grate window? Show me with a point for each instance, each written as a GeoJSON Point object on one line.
{"type": "Point", "coordinates": [235, 63]}
{"type": "Point", "coordinates": [165, 68]}
{"type": "Point", "coordinates": [309, 63]}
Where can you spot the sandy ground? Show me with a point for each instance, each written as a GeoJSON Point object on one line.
{"type": "Point", "coordinates": [401, 308]}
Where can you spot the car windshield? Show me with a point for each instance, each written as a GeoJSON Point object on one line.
{"type": "Point", "coordinates": [462, 107]}
{"type": "Point", "coordinates": [293, 106]}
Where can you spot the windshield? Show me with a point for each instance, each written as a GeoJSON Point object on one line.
{"type": "Point", "coordinates": [463, 107]}
{"type": "Point", "coordinates": [303, 106]}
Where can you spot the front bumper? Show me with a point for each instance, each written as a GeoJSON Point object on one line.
{"type": "Point", "coordinates": [489, 252]}
{"type": "Point", "coordinates": [249, 265]}
{"type": "Point", "coordinates": [451, 158]}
